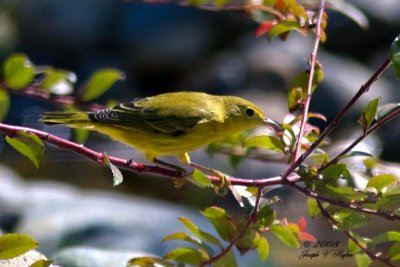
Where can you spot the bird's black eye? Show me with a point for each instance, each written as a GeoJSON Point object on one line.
{"type": "Point", "coordinates": [249, 112]}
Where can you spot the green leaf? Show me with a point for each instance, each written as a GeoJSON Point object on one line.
{"type": "Point", "coordinates": [386, 237]}
{"type": "Point", "coordinates": [267, 142]}
{"type": "Point", "coordinates": [263, 249]}
{"type": "Point", "coordinates": [336, 171]}
{"type": "Point", "coordinates": [266, 216]}
{"type": "Point", "coordinates": [100, 82]}
{"type": "Point", "coordinates": [118, 178]}
{"type": "Point", "coordinates": [185, 237]}
{"type": "Point", "coordinates": [41, 263]}
{"type": "Point", "coordinates": [350, 219]}
{"type": "Point", "coordinates": [394, 252]}
{"type": "Point", "coordinates": [313, 208]}
{"type": "Point", "coordinates": [249, 240]}
{"type": "Point", "coordinates": [352, 247]}
{"type": "Point", "coordinates": [29, 145]}
{"type": "Point", "coordinates": [285, 235]}
{"type": "Point", "coordinates": [362, 260]}
{"type": "Point", "coordinates": [18, 71]}
{"type": "Point", "coordinates": [4, 104]}
{"type": "Point", "coordinates": [297, 10]}
{"type": "Point", "coordinates": [207, 237]}
{"type": "Point", "coordinates": [395, 56]}
{"type": "Point", "coordinates": [344, 193]}
{"type": "Point", "coordinates": [186, 256]}
{"type": "Point", "coordinates": [380, 182]}
{"type": "Point", "coordinates": [53, 78]}
{"type": "Point", "coordinates": [148, 262]}
{"type": "Point", "coordinates": [81, 135]}
{"type": "Point", "coordinates": [369, 113]}
{"type": "Point", "coordinates": [222, 222]}
{"type": "Point", "coordinates": [285, 27]}
{"type": "Point", "coordinates": [13, 245]}
{"type": "Point", "coordinates": [227, 260]}
{"type": "Point", "coordinates": [200, 179]}
{"type": "Point", "coordinates": [295, 97]}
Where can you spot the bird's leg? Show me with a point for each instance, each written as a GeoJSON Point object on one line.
{"type": "Point", "coordinates": [224, 183]}
{"type": "Point", "coordinates": [178, 181]}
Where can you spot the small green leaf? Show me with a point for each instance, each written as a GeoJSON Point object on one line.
{"type": "Point", "coordinates": [221, 221]}
{"type": "Point", "coordinates": [4, 104]}
{"type": "Point", "coordinates": [395, 56]}
{"type": "Point", "coordinates": [380, 182]}
{"type": "Point", "coordinates": [55, 77]}
{"type": "Point", "coordinates": [41, 263]}
{"type": "Point", "coordinates": [148, 262]}
{"type": "Point", "coordinates": [29, 145]}
{"type": "Point", "coordinates": [369, 113]}
{"type": "Point", "coordinates": [350, 220]}
{"type": "Point", "coordinates": [185, 237]}
{"type": "Point", "coordinates": [186, 256]}
{"type": "Point", "coordinates": [352, 247]}
{"type": "Point", "coordinates": [227, 260]}
{"type": "Point", "coordinates": [18, 71]}
{"type": "Point", "coordinates": [313, 208]}
{"type": "Point", "coordinates": [248, 240]}
{"type": "Point", "coordinates": [386, 237]}
{"type": "Point", "coordinates": [100, 82]}
{"type": "Point", "coordinates": [118, 178]}
{"type": "Point", "coordinates": [266, 216]}
{"type": "Point", "coordinates": [362, 260]}
{"type": "Point", "coordinates": [207, 237]}
{"type": "Point", "coordinates": [285, 27]}
{"type": "Point", "coordinates": [263, 249]}
{"type": "Point", "coordinates": [13, 245]}
{"type": "Point", "coordinates": [295, 97]}
{"type": "Point", "coordinates": [200, 179]}
{"type": "Point", "coordinates": [344, 193]}
{"type": "Point", "coordinates": [394, 252]}
{"type": "Point", "coordinates": [285, 235]}
{"type": "Point", "coordinates": [336, 171]}
{"type": "Point", "coordinates": [267, 142]}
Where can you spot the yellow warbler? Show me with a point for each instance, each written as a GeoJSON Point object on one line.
{"type": "Point", "coordinates": [168, 124]}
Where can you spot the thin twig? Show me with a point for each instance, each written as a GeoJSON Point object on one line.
{"type": "Point", "coordinates": [370, 254]}
{"type": "Point", "coordinates": [310, 81]}
{"type": "Point", "coordinates": [250, 220]}
{"type": "Point", "coordinates": [344, 204]}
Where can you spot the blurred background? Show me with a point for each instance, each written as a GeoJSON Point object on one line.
{"type": "Point", "coordinates": [163, 48]}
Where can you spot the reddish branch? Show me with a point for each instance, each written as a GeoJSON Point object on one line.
{"type": "Point", "coordinates": [307, 101]}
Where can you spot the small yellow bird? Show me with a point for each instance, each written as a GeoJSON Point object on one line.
{"type": "Point", "coordinates": [168, 124]}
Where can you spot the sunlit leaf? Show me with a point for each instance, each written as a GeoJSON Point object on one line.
{"type": "Point", "coordinates": [186, 256]}
{"type": "Point", "coordinates": [267, 142]}
{"type": "Point", "coordinates": [200, 179]}
{"type": "Point", "coordinates": [4, 104]}
{"type": "Point", "coordinates": [29, 145]}
{"type": "Point", "coordinates": [207, 237]}
{"type": "Point", "coordinates": [263, 249]}
{"type": "Point", "coordinates": [297, 10]}
{"type": "Point", "coordinates": [312, 206]}
{"type": "Point", "coordinates": [395, 56]}
{"type": "Point", "coordinates": [344, 193]}
{"type": "Point", "coordinates": [386, 237]}
{"type": "Point", "coordinates": [41, 263]}
{"type": "Point", "coordinates": [352, 246]}
{"type": "Point", "coordinates": [118, 178]}
{"type": "Point", "coordinates": [368, 113]}
{"type": "Point", "coordinates": [18, 71]}
{"type": "Point", "coordinates": [221, 221]}
{"type": "Point", "coordinates": [349, 220]}
{"type": "Point", "coordinates": [394, 252]}
{"type": "Point", "coordinates": [285, 235]}
{"type": "Point", "coordinates": [148, 262]}
{"type": "Point", "coordinates": [285, 27]}
{"type": "Point", "coordinates": [185, 237]}
{"type": "Point", "coordinates": [295, 97]}
{"type": "Point", "coordinates": [386, 109]}
{"type": "Point", "coordinates": [100, 82]}
{"type": "Point", "coordinates": [13, 245]}
{"type": "Point", "coordinates": [380, 182]}
{"type": "Point", "coordinates": [227, 260]}
{"type": "Point", "coordinates": [362, 260]}
{"type": "Point", "coordinates": [335, 171]}
{"type": "Point", "coordinates": [351, 12]}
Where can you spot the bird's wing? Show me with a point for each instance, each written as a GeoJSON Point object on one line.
{"type": "Point", "coordinates": [159, 119]}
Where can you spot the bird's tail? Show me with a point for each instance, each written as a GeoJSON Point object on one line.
{"type": "Point", "coordinates": [61, 117]}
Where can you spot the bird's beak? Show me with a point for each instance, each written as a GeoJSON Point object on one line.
{"type": "Point", "coordinates": [273, 124]}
